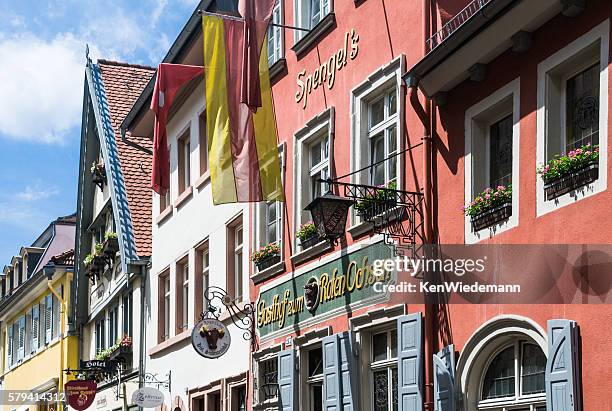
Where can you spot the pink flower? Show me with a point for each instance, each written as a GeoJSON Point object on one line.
{"type": "Point", "coordinates": [487, 196]}
{"type": "Point", "coordinates": [572, 154]}
{"type": "Point", "coordinates": [578, 151]}
{"type": "Point", "coordinates": [496, 194]}
{"type": "Point", "coordinates": [488, 190]}
{"type": "Point", "coordinates": [501, 188]}
{"type": "Point", "coordinates": [588, 152]}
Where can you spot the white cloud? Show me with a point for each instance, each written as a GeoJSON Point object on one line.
{"type": "Point", "coordinates": [116, 35]}
{"type": "Point", "coordinates": [36, 192]}
{"type": "Point", "coordinates": [158, 9]}
{"type": "Point", "coordinates": [42, 86]}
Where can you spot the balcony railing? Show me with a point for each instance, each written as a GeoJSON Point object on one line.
{"type": "Point", "coordinates": [455, 23]}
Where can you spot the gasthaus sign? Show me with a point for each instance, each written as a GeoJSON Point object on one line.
{"type": "Point", "coordinates": [344, 281]}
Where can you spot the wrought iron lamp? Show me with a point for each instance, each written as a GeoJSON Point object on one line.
{"type": "Point", "coordinates": [329, 213]}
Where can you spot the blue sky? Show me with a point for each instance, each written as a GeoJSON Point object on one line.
{"type": "Point", "coordinates": [42, 58]}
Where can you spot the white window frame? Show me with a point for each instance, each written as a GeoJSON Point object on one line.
{"type": "Point", "coordinates": [377, 84]}
{"type": "Point", "coordinates": [320, 126]}
{"type": "Point", "coordinates": [601, 34]}
{"type": "Point", "coordinates": [185, 295]}
{"type": "Point", "coordinates": [389, 122]}
{"type": "Point", "coordinates": [527, 400]}
{"type": "Point", "coordinates": [167, 311]}
{"type": "Point", "coordinates": [205, 274]}
{"type": "Point", "coordinates": [276, 34]}
{"type": "Point", "coordinates": [477, 118]}
{"type": "Point", "coordinates": [388, 364]}
{"type": "Point", "coordinates": [260, 221]}
{"type": "Point", "coordinates": [302, 15]}
{"type": "Point", "coordinates": [238, 254]}
{"type": "Point", "coordinates": [306, 383]}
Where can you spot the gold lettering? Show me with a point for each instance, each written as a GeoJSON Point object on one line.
{"type": "Point", "coordinates": [300, 93]}
{"type": "Point", "coordinates": [354, 46]}
{"type": "Point", "coordinates": [331, 72]}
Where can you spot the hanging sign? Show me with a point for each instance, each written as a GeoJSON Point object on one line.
{"type": "Point", "coordinates": [325, 74]}
{"type": "Point", "coordinates": [210, 338]}
{"type": "Point", "coordinates": [148, 397]}
{"type": "Point", "coordinates": [80, 393]}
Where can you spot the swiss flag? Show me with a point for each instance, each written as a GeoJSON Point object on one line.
{"type": "Point", "coordinates": [170, 77]}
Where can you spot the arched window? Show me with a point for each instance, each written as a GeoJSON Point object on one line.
{"type": "Point", "coordinates": [515, 377]}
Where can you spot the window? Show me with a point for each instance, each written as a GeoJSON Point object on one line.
{"type": "Point", "coordinates": [213, 401]}
{"type": "Point", "coordinates": [100, 335]}
{"type": "Point", "coordinates": [184, 166]}
{"type": "Point", "coordinates": [21, 338]}
{"type": "Point", "coordinates": [314, 148]}
{"type": "Point", "coordinates": [202, 277]}
{"type": "Point", "coordinates": [268, 379]}
{"type": "Point", "coordinates": [48, 318]}
{"type": "Point", "coordinates": [235, 258]}
{"type": "Point", "coordinates": [35, 330]}
{"type": "Point", "coordinates": [239, 398]}
{"type": "Point", "coordinates": [516, 372]}
{"type": "Point", "coordinates": [113, 326]}
{"type": "Point", "coordinates": [127, 314]}
{"type": "Point", "coordinates": [492, 135]}
{"type": "Point", "coordinates": [573, 97]}
{"type": "Point", "coordinates": [314, 380]}
{"type": "Point", "coordinates": [275, 35]}
{"type": "Point", "coordinates": [9, 344]}
{"type": "Point", "coordinates": [164, 201]}
{"type": "Point", "coordinates": [163, 323]}
{"type": "Point", "coordinates": [382, 137]}
{"type": "Point", "coordinates": [203, 144]}
{"type": "Point", "coordinates": [384, 370]}
{"type": "Point", "coordinates": [310, 13]}
{"type": "Point", "coordinates": [182, 296]}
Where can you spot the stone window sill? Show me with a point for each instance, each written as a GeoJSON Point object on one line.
{"type": "Point", "coordinates": [311, 252]}
{"type": "Point", "coordinates": [164, 345]}
{"type": "Point", "coordinates": [164, 215]}
{"type": "Point", "coordinates": [204, 179]}
{"type": "Point", "coordinates": [268, 272]}
{"type": "Point", "coordinates": [182, 199]}
{"type": "Point", "coordinates": [303, 45]}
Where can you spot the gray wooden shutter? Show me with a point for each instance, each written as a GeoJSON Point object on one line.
{"type": "Point", "coordinates": [409, 362]}
{"type": "Point", "coordinates": [21, 339]}
{"type": "Point", "coordinates": [563, 367]}
{"type": "Point", "coordinates": [48, 319]}
{"type": "Point", "coordinates": [56, 315]}
{"type": "Point", "coordinates": [331, 371]}
{"type": "Point", "coordinates": [35, 329]}
{"type": "Point", "coordinates": [286, 380]}
{"type": "Point", "coordinates": [444, 379]}
{"type": "Point", "coordinates": [349, 394]}
{"type": "Point", "coordinates": [9, 338]}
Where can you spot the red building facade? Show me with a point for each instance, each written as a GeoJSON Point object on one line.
{"type": "Point", "coordinates": [503, 87]}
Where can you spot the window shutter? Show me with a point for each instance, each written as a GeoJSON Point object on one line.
{"type": "Point", "coordinates": [331, 371]}
{"type": "Point", "coordinates": [286, 379]}
{"type": "Point", "coordinates": [28, 333]}
{"type": "Point", "coordinates": [348, 373]}
{"type": "Point", "coordinates": [35, 329]}
{"type": "Point", "coordinates": [21, 339]}
{"type": "Point", "coordinates": [48, 313]}
{"type": "Point", "coordinates": [409, 358]}
{"type": "Point", "coordinates": [444, 379]}
{"type": "Point", "coordinates": [56, 315]}
{"type": "Point", "coordinates": [9, 344]}
{"type": "Point", "coordinates": [562, 367]}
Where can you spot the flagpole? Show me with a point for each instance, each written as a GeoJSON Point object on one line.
{"type": "Point", "coordinates": [230, 17]}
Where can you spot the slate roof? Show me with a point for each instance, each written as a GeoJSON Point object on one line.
{"type": "Point", "coordinates": [123, 83]}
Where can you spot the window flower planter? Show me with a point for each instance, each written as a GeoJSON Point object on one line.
{"type": "Point", "coordinates": [556, 187]}
{"type": "Point", "coordinates": [566, 173]}
{"type": "Point", "coordinates": [490, 207]}
{"type": "Point", "coordinates": [489, 218]}
{"type": "Point", "coordinates": [378, 203]}
{"type": "Point", "coordinates": [267, 262]}
{"type": "Point", "coordinates": [310, 241]}
{"type": "Point", "coordinates": [111, 246]}
{"type": "Point", "coordinates": [121, 353]}
{"type": "Point", "coordinates": [308, 235]}
{"type": "Point", "coordinates": [98, 174]}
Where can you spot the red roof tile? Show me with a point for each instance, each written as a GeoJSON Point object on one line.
{"type": "Point", "coordinates": [65, 258]}
{"type": "Point", "coordinates": [123, 83]}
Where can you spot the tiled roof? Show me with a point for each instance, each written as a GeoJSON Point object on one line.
{"type": "Point", "coordinates": [65, 258]}
{"type": "Point", "coordinates": [123, 83]}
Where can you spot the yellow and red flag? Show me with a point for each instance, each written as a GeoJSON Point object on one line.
{"type": "Point", "coordinates": [241, 126]}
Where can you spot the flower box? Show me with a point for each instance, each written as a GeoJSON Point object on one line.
{"type": "Point", "coordinates": [111, 246]}
{"type": "Point", "coordinates": [491, 216]}
{"type": "Point", "coordinates": [556, 187]}
{"type": "Point", "coordinates": [373, 208]}
{"type": "Point", "coordinates": [310, 241]}
{"type": "Point", "coordinates": [267, 262]}
{"type": "Point", "coordinates": [122, 353]}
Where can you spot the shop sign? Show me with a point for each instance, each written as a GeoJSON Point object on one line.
{"type": "Point", "coordinates": [148, 397]}
{"type": "Point", "coordinates": [338, 283]}
{"type": "Point", "coordinates": [95, 365]}
{"type": "Point", "coordinates": [80, 393]}
{"type": "Point", "coordinates": [325, 74]}
{"type": "Point", "coordinates": [210, 338]}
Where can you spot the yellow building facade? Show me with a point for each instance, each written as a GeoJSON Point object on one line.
{"type": "Point", "coordinates": [37, 341]}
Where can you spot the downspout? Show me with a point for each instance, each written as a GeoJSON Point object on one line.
{"type": "Point", "coordinates": [426, 118]}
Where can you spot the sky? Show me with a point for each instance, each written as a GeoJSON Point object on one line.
{"type": "Point", "coordinates": [42, 63]}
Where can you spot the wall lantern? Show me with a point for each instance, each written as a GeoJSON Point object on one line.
{"type": "Point", "coordinates": [329, 214]}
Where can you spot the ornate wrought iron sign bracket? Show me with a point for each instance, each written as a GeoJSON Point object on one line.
{"type": "Point", "coordinates": [217, 300]}
{"type": "Point", "coordinates": [152, 379]}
